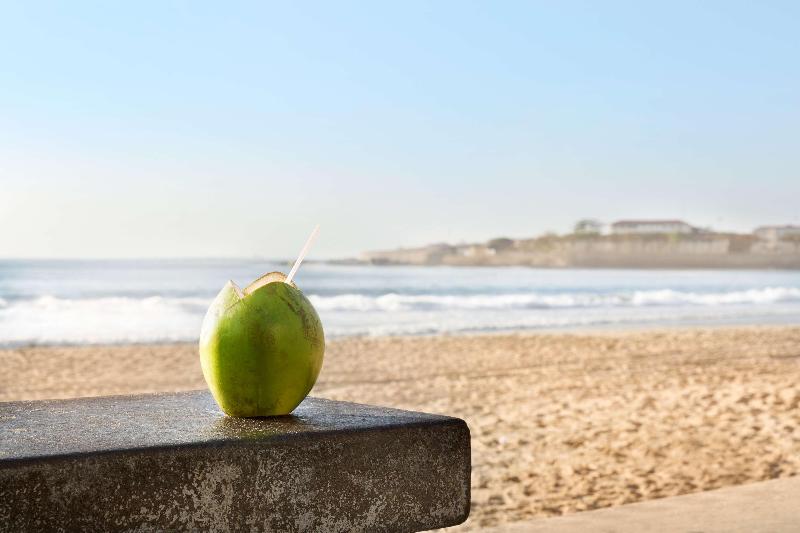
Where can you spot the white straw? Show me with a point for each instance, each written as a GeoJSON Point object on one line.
{"type": "Point", "coordinates": [302, 255]}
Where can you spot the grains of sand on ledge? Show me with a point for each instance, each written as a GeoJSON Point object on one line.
{"type": "Point", "coordinates": [560, 422]}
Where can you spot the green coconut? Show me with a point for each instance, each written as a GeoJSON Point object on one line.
{"type": "Point", "coordinates": [261, 349]}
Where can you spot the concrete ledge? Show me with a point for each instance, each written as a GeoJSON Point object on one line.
{"type": "Point", "coordinates": [765, 507]}
{"type": "Point", "coordinates": [175, 462]}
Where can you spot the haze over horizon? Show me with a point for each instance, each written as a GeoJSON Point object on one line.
{"type": "Point", "coordinates": [186, 130]}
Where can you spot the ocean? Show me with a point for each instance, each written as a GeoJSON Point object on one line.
{"type": "Point", "coordinates": [141, 301]}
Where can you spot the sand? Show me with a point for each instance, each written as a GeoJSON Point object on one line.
{"type": "Point", "coordinates": [560, 422]}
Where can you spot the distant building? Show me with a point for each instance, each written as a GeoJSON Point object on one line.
{"type": "Point", "coordinates": [588, 226]}
{"type": "Point", "coordinates": [776, 233]}
{"type": "Point", "coordinates": [475, 250]}
{"type": "Point", "coordinates": [641, 227]}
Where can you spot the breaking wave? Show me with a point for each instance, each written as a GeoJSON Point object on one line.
{"type": "Point", "coordinates": [643, 298]}
{"type": "Point", "coordinates": [116, 303]}
{"type": "Point", "coordinates": [51, 320]}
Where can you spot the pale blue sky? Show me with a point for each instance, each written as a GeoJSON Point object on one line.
{"type": "Point", "coordinates": [230, 129]}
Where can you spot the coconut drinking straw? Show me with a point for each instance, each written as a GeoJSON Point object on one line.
{"type": "Point", "coordinates": [302, 255]}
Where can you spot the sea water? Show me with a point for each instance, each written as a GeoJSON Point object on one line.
{"type": "Point", "coordinates": [120, 301]}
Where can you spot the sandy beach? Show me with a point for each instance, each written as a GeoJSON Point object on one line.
{"type": "Point", "coordinates": [560, 422]}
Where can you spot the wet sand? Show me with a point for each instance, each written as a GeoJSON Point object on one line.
{"type": "Point", "coordinates": [560, 422]}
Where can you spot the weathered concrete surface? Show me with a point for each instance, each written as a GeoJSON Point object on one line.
{"type": "Point", "coordinates": [765, 507]}
{"type": "Point", "coordinates": [175, 462]}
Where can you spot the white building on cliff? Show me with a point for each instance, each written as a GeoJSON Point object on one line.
{"type": "Point", "coordinates": [776, 233]}
{"type": "Point", "coordinates": [643, 227]}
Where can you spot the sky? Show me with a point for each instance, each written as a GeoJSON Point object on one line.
{"type": "Point", "coordinates": [204, 129]}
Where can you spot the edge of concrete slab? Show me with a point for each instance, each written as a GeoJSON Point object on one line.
{"type": "Point", "coordinates": [174, 461]}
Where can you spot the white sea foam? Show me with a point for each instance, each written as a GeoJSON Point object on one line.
{"type": "Point", "coordinates": [642, 298]}
{"type": "Point", "coordinates": [156, 301]}
{"type": "Point", "coordinates": [48, 319]}
{"type": "Point", "coordinates": [753, 296]}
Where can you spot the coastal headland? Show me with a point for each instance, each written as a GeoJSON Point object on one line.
{"type": "Point", "coordinates": [651, 244]}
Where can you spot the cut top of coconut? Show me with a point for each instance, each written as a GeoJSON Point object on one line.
{"type": "Point", "coordinates": [266, 279]}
